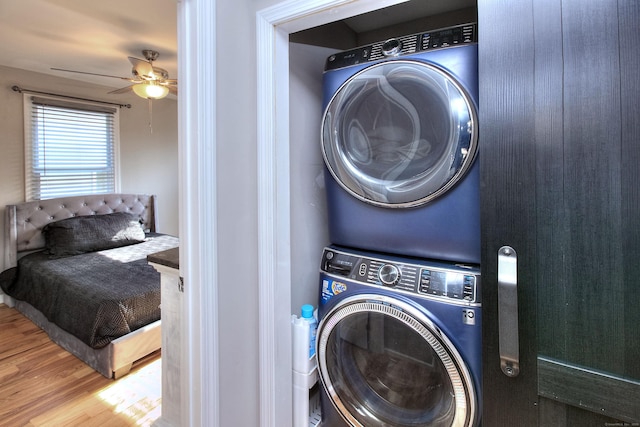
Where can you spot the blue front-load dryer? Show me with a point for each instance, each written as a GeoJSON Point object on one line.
{"type": "Point", "coordinates": [400, 141]}
{"type": "Point", "coordinates": [398, 341]}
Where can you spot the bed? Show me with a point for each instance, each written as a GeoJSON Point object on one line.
{"type": "Point", "coordinates": [77, 267]}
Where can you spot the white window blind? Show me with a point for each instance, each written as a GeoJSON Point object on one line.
{"type": "Point", "coordinates": [70, 148]}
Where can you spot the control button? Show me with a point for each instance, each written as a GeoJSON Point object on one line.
{"type": "Point", "coordinates": [363, 269]}
{"type": "Point", "coordinates": [424, 286]}
{"type": "Point", "coordinates": [425, 281]}
{"type": "Point", "coordinates": [389, 274]}
{"type": "Point", "coordinates": [329, 255]}
{"type": "Point", "coordinates": [468, 291]}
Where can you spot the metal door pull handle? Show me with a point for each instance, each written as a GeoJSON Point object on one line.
{"type": "Point", "coordinates": [508, 311]}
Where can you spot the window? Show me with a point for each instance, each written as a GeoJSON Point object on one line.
{"type": "Point", "coordinates": [70, 148]}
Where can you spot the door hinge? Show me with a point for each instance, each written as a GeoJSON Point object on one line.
{"type": "Point", "coordinates": [181, 284]}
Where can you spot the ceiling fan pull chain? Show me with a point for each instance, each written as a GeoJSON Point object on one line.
{"type": "Point", "coordinates": [150, 116]}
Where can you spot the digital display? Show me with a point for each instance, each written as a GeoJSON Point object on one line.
{"type": "Point", "coordinates": [455, 284]}
{"type": "Point", "coordinates": [443, 283]}
{"type": "Point", "coordinates": [438, 283]}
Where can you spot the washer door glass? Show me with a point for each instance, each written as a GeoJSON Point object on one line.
{"type": "Point", "coordinates": [381, 366]}
{"type": "Point", "coordinates": [399, 133]}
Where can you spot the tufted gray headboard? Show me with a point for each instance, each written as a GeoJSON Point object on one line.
{"type": "Point", "coordinates": [24, 221]}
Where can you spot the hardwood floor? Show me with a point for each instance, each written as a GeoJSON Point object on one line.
{"type": "Point", "coordinates": [43, 385]}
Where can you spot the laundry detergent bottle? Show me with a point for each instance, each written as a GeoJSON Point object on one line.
{"type": "Point", "coordinates": [307, 316]}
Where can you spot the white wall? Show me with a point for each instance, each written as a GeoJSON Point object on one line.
{"type": "Point", "coordinates": [237, 213]}
{"type": "Point", "coordinates": [149, 161]}
{"type": "Point", "coordinates": [149, 156]}
{"type": "Point", "coordinates": [309, 231]}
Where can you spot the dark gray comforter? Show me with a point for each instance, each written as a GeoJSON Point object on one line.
{"type": "Point", "coordinates": [97, 296]}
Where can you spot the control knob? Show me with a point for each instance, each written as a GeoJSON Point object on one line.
{"type": "Point", "coordinates": [391, 47]}
{"type": "Point", "coordinates": [389, 275]}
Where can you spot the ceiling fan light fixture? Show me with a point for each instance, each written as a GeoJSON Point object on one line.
{"type": "Point", "coordinates": [150, 90]}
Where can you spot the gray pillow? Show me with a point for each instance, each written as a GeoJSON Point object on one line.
{"type": "Point", "coordinates": [90, 233]}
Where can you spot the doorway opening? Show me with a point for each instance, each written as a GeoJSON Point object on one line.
{"type": "Point", "coordinates": [318, 25]}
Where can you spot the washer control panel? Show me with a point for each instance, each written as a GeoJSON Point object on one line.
{"type": "Point", "coordinates": [434, 279]}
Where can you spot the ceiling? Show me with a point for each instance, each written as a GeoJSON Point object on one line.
{"type": "Point", "coordinates": [98, 36]}
{"type": "Point", "coordinates": [87, 35]}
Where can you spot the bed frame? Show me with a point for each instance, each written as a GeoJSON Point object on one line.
{"type": "Point", "coordinates": [23, 235]}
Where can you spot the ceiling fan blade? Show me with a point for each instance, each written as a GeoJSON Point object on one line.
{"type": "Point", "coordinates": [170, 82]}
{"type": "Point", "coordinates": [122, 90]}
{"type": "Point", "coordinates": [134, 61]}
{"type": "Point", "coordinates": [141, 67]}
{"type": "Point", "coordinates": [173, 90]}
{"type": "Point", "coordinates": [95, 74]}
{"type": "Point", "coordinates": [160, 73]}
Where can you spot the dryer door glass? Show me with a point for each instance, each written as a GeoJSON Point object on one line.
{"type": "Point", "coordinates": [399, 133]}
{"type": "Point", "coordinates": [382, 366]}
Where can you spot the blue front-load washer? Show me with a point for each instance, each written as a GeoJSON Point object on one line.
{"type": "Point", "coordinates": [399, 139]}
{"type": "Point", "coordinates": [398, 341]}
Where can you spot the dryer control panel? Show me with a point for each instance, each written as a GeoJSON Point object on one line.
{"type": "Point", "coordinates": [428, 278]}
{"type": "Point", "coordinates": [405, 45]}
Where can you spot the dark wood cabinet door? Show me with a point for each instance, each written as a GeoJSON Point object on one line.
{"type": "Point", "coordinates": [560, 162]}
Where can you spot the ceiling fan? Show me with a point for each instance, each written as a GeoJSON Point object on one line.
{"type": "Point", "coordinates": [148, 81]}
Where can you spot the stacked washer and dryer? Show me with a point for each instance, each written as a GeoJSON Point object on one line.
{"type": "Point", "coordinates": [399, 335]}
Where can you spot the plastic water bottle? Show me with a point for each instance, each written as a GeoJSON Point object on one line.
{"type": "Point", "coordinates": [307, 316]}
